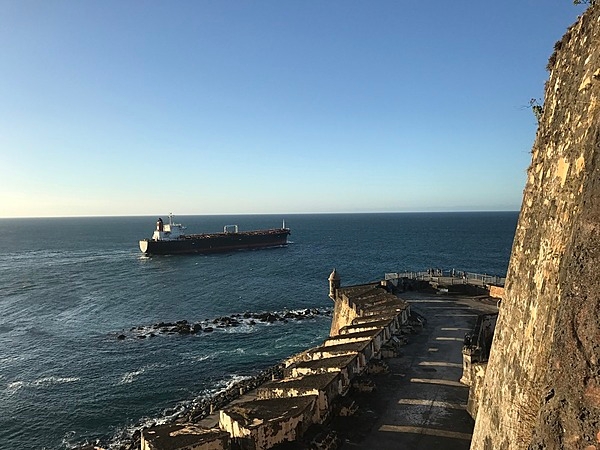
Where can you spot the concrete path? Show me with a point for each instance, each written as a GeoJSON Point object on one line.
{"type": "Point", "coordinates": [420, 404]}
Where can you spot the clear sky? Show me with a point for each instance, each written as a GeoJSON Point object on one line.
{"type": "Point", "coordinates": [216, 106]}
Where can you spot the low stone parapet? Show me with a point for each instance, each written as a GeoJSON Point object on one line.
{"type": "Point", "coordinates": [183, 437]}
{"type": "Point", "coordinates": [371, 335]}
{"type": "Point", "coordinates": [348, 366]}
{"type": "Point", "coordinates": [262, 424]}
{"type": "Point", "coordinates": [326, 386]}
{"type": "Point", "coordinates": [386, 325]}
{"type": "Point", "coordinates": [476, 388]}
{"type": "Point", "coordinates": [364, 350]}
{"type": "Point", "coordinates": [497, 292]}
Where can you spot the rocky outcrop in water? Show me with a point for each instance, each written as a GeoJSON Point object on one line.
{"type": "Point", "coordinates": [185, 327]}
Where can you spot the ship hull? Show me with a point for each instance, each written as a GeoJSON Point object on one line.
{"type": "Point", "coordinates": [216, 242]}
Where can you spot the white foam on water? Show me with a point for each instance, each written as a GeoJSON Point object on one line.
{"type": "Point", "coordinates": [129, 377]}
{"type": "Point", "coordinates": [54, 380]}
{"type": "Point", "coordinates": [221, 353]}
{"type": "Point", "coordinates": [243, 328]}
{"type": "Point", "coordinates": [14, 387]}
{"type": "Point", "coordinates": [229, 382]}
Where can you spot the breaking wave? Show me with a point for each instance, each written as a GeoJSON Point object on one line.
{"type": "Point", "coordinates": [129, 377]}
{"type": "Point", "coordinates": [16, 386]}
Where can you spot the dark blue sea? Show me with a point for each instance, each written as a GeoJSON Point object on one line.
{"type": "Point", "coordinates": [70, 286]}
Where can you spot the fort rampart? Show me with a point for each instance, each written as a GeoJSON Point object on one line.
{"type": "Point", "coordinates": [542, 384]}
{"type": "Point", "coordinates": [314, 382]}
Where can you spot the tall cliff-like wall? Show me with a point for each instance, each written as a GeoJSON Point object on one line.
{"type": "Point", "coordinates": [542, 385]}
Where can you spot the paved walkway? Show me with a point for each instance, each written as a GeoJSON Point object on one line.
{"type": "Point", "coordinates": [420, 404]}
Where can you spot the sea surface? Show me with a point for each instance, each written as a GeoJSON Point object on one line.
{"type": "Point", "coordinates": [70, 286]}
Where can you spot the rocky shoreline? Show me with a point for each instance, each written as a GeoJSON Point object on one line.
{"type": "Point", "coordinates": [202, 407]}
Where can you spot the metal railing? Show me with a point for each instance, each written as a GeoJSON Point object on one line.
{"type": "Point", "coordinates": [451, 277]}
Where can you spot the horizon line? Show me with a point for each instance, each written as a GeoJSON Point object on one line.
{"type": "Point", "coordinates": [270, 214]}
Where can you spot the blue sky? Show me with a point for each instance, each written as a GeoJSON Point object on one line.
{"type": "Point", "coordinates": [216, 107]}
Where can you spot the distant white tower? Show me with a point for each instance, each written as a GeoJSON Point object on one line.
{"type": "Point", "coordinates": [334, 283]}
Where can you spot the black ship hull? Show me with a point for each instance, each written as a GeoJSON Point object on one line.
{"type": "Point", "coordinates": [216, 242]}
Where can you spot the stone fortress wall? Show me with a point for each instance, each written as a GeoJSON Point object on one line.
{"type": "Point", "coordinates": [314, 384]}
{"type": "Point", "coordinates": [541, 386]}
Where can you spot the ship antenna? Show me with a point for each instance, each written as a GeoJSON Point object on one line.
{"type": "Point", "coordinates": [284, 224]}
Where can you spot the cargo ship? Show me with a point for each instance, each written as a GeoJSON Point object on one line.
{"type": "Point", "coordinates": [170, 239]}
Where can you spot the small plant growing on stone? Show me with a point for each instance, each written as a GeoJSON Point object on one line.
{"type": "Point", "coordinates": [537, 107]}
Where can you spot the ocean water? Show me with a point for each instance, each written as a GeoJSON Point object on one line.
{"type": "Point", "coordinates": [70, 286]}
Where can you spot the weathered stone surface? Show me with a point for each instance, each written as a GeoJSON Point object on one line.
{"type": "Point", "coordinates": [261, 424]}
{"type": "Point", "coordinates": [183, 437]}
{"type": "Point", "coordinates": [348, 365]}
{"type": "Point", "coordinates": [365, 300]}
{"type": "Point", "coordinates": [326, 386]}
{"type": "Point", "coordinates": [477, 372]}
{"type": "Point", "coordinates": [542, 385]}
